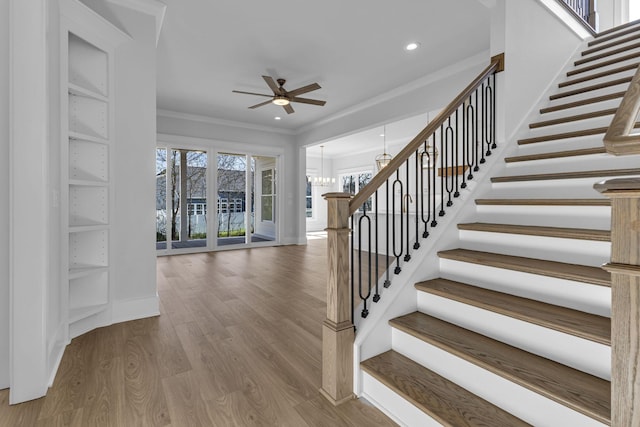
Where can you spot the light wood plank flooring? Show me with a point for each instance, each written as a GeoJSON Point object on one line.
{"type": "Point", "coordinates": [238, 344]}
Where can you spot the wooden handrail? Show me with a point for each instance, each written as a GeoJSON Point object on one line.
{"type": "Point", "coordinates": [618, 140]}
{"type": "Point", "coordinates": [496, 65]}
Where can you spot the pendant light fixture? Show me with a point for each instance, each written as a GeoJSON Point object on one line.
{"type": "Point", "coordinates": [382, 160]}
{"type": "Point", "coordinates": [322, 181]}
{"type": "Point", "coordinates": [431, 154]}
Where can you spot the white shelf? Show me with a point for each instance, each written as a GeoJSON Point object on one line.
{"type": "Point", "coordinates": [82, 228]}
{"type": "Point", "coordinates": [84, 312]}
{"type": "Point", "coordinates": [87, 183]}
{"type": "Point", "coordinates": [75, 135]}
{"type": "Point", "coordinates": [77, 90]}
{"type": "Point", "coordinates": [85, 270]}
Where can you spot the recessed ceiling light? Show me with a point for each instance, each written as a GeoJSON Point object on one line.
{"type": "Point", "coordinates": [412, 46]}
{"type": "Point", "coordinates": [277, 118]}
{"type": "Point", "coordinates": [382, 134]}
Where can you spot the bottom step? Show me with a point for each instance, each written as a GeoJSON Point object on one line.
{"type": "Point", "coordinates": [446, 402]}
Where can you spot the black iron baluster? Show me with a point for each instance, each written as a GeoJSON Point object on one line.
{"type": "Point", "coordinates": [376, 297]}
{"type": "Point", "coordinates": [353, 276]}
{"type": "Point", "coordinates": [493, 112]}
{"type": "Point", "coordinates": [447, 155]}
{"type": "Point", "coordinates": [396, 253]}
{"type": "Point", "coordinates": [432, 171]}
{"type": "Point", "coordinates": [387, 282]}
{"type": "Point", "coordinates": [488, 94]}
{"type": "Point", "coordinates": [425, 153]}
{"type": "Point", "coordinates": [407, 197]}
{"type": "Point", "coordinates": [476, 139]}
{"type": "Point", "coordinates": [483, 118]}
{"type": "Point", "coordinates": [416, 244]}
{"type": "Point", "coordinates": [456, 164]}
{"type": "Point", "coordinates": [364, 298]}
{"type": "Point", "coordinates": [442, 166]}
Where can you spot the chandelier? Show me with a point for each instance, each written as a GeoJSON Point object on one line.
{"type": "Point", "coordinates": [322, 181]}
{"type": "Point", "coordinates": [383, 159]}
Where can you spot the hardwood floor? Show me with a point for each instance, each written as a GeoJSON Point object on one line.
{"type": "Point", "coordinates": [238, 344]}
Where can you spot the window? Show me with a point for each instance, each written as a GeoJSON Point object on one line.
{"type": "Point", "coordinates": [309, 197]}
{"type": "Point", "coordinates": [353, 182]}
{"type": "Point", "coordinates": [267, 198]}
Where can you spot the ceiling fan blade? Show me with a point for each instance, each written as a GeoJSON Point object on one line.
{"type": "Point", "coordinates": [251, 93]}
{"type": "Point", "coordinates": [261, 104]}
{"type": "Point", "coordinates": [309, 101]}
{"type": "Point", "coordinates": [272, 84]}
{"type": "Point", "coordinates": [304, 89]}
{"type": "Point", "coordinates": [288, 108]}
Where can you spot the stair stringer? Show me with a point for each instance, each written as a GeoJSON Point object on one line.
{"type": "Point", "coordinates": [374, 334]}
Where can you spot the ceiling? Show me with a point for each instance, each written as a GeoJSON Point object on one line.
{"type": "Point", "coordinates": [354, 49]}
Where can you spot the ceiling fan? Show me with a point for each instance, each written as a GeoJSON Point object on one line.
{"type": "Point", "coordinates": [284, 97]}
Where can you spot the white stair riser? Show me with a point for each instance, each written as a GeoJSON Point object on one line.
{"type": "Point", "coordinates": [582, 109]}
{"type": "Point", "coordinates": [559, 188]}
{"type": "Point", "coordinates": [594, 217]}
{"type": "Point", "coordinates": [597, 80]}
{"type": "Point", "coordinates": [572, 164]}
{"type": "Point", "coordinates": [626, 45]}
{"type": "Point", "coordinates": [603, 68]}
{"type": "Point", "coordinates": [593, 253]}
{"type": "Point", "coordinates": [575, 126]}
{"type": "Point", "coordinates": [562, 144]}
{"type": "Point", "coordinates": [586, 95]}
{"type": "Point", "coordinates": [519, 401]}
{"type": "Point", "coordinates": [393, 405]}
{"type": "Point", "coordinates": [566, 293]}
{"type": "Point", "coordinates": [579, 353]}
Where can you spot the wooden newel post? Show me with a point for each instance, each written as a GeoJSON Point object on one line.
{"type": "Point", "coordinates": [337, 329]}
{"type": "Point", "coordinates": [625, 299]}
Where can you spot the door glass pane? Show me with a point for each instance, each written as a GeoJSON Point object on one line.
{"type": "Point", "coordinates": [266, 193]}
{"type": "Point", "coordinates": [188, 187]}
{"type": "Point", "coordinates": [231, 205]}
{"type": "Point", "coordinates": [161, 198]}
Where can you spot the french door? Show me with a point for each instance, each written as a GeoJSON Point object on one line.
{"type": "Point", "coordinates": [202, 208]}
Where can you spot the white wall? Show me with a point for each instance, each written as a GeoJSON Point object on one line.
{"type": "Point", "coordinates": [133, 233]}
{"type": "Point", "coordinates": [537, 47]}
{"type": "Point", "coordinates": [4, 194]}
{"type": "Point", "coordinates": [216, 134]}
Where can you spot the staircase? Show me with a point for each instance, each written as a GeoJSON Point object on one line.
{"type": "Point", "coordinates": [516, 329]}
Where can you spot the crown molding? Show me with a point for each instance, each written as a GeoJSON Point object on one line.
{"type": "Point", "coordinates": [150, 7]}
{"type": "Point", "coordinates": [476, 60]}
{"type": "Point", "coordinates": [220, 122]}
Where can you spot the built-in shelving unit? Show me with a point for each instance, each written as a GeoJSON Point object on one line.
{"type": "Point", "coordinates": [87, 184]}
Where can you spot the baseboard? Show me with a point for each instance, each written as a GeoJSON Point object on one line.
{"type": "Point", "coordinates": [136, 308]}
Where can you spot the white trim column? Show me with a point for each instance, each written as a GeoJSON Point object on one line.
{"type": "Point", "coordinates": [28, 240]}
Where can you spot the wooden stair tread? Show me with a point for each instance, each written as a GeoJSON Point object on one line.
{"type": "Point", "coordinates": [534, 230]}
{"type": "Point", "coordinates": [566, 175]}
{"type": "Point", "coordinates": [601, 74]}
{"type": "Point", "coordinates": [580, 324]}
{"type": "Point", "coordinates": [605, 45]}
{"type": "Point", "coordinates": [602, 85]}
{"type": "Point", "coordinates": [605, 54]}
{"type": "Point", "coordinates": [556, 154]}
{"type": "Point", "coordinates": [603, 64]}
{"type": "Point", "coordinates": [445, 401]}
{"type": "Point", "coordinates": [606, 35]}
{"type": "Point", "coordinates": [577, 390]}
{"type": "Point", "coordinates": [574, 118]}
{"type": "Point", "coordinates": [544, 202]}
{"type": "Point", "coordinates": [560, 270]}
{"type": "Point", "coordinates": [582, 102]}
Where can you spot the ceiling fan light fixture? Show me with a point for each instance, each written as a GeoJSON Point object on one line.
{"type": "Point", "coordinates": [281, 100]}
{"type": "Point", "coordinates": [412, 46]}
